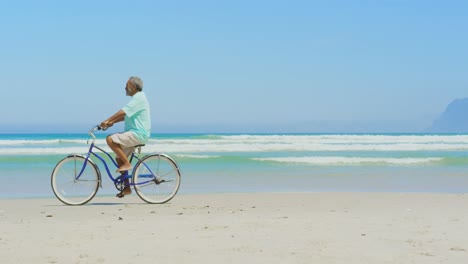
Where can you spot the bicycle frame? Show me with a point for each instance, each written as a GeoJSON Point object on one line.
{"type": "Point", "coordinates": [125, 175]}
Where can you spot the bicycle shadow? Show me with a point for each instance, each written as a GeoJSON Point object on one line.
{"type": "Point", "coordinates": [102, 203]}
{"type": "Point", "coordinates": [114, 203]}
{"type": "Point", "coordinates": [97, 204]}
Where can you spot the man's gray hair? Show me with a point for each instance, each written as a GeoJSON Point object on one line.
{"type": "Point", "coordinates": [137, 82]}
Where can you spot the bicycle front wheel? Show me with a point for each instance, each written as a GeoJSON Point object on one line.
{"type": "Point", "coordinates": [73, 181]}
{"type": "Point", "coordinates": [156, 178]}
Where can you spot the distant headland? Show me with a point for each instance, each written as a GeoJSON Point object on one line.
{"type": "Point", "coordinates": [453, 120]}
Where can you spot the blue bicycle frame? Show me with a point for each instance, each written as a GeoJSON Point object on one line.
{"type": "Point", "coordinates": [119, 179]}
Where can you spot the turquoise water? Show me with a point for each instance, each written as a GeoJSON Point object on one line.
{"type": "Point", "coordinates": [261, 162]}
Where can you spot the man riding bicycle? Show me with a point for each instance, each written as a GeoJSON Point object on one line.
{"type": "Point", "coordinates": [136, 114]}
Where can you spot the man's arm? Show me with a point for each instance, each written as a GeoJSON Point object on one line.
{"type": "Point", "coordinates": [117, 117]}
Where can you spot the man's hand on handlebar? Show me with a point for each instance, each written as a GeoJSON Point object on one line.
{"type": "Point", "coordinates": [105, 125]}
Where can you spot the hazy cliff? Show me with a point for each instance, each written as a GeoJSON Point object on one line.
{"type": "Point", "coordinates": [453, 120]}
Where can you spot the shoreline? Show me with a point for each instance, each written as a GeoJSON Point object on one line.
{"type": "Point", "coordinates": [111, 194]}
{"type": "Point", "coordinates": [318, 227]}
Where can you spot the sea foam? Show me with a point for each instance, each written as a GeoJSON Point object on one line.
{"type": "Point", "coordinates": [314, 160]}
{"type": "Point", "coordinates": [254, 143]}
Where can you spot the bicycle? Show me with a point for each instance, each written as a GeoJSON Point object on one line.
{"type": "Point", "coordinates": [76, 179]}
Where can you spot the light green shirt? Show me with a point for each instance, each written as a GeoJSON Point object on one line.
{"type": "Point", "coordinates": [137, 117]}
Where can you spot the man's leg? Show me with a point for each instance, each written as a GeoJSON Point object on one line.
{"type": "Point", "coordinates": [127, 189]}
{"type": "Point", "coordinates": [125, 164]}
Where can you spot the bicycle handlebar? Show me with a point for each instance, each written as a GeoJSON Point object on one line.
{"type": "Point", "coordinates": [94, 129]}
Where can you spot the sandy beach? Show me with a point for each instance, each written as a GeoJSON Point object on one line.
{"type": "Point", "coordinates": [240, 228]}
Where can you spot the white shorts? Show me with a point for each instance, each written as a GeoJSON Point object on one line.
{"type": "Point", "coordinates": [127, 140]}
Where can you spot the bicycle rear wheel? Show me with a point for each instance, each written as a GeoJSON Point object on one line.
{"type": "Point", "coordinates": [71, 187]}
{"type": "Point", "coordinates": [156, 178]}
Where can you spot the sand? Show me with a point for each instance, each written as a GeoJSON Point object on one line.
{"type": "Point", "coordinates": [240, 228]}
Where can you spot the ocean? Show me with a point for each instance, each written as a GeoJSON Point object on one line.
{"type": "Point", "coordinates": [223, 163]}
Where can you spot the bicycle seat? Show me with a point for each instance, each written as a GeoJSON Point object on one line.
{"type": "Point", "coordinates": [138, 146]}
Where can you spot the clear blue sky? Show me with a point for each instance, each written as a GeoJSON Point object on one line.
{"type": "Point", "coordinates": [233, 66]}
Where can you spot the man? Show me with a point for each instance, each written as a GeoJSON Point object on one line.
{"type": "Point", "coordinates": [136, 115]}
